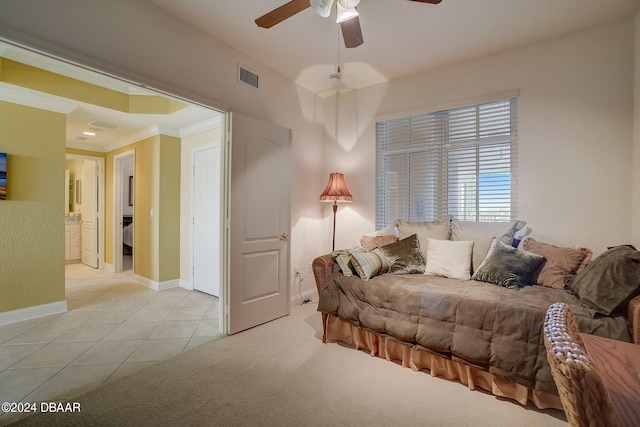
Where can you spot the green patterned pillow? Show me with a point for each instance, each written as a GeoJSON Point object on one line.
{"type": "Point", "coordinates": [507, 266]}
{"type": "Point", "coordinates": [405, 256]}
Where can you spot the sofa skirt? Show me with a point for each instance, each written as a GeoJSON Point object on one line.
{"type": "Point", "coordinates": [438, 366]}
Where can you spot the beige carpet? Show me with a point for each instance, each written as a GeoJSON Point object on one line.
{"type": "Point", "coordinates": [280, 374]}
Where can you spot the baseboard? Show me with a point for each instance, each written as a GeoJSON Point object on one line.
{"type": "Point", "coordinates": [34, 312]}
{"type": "Point", "coordinates": [186, 284]}
{"type": "Point", "coordinates": [156, 286]}
{"type": "Point", "coordinates": [109, 267]}
{"type": "Point", "coordinates": [300, 298]}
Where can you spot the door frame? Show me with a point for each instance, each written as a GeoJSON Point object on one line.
{"type": "Point", "coordinates": [117, 228]}
{"type": "Point", "coordinates": [100, 176]}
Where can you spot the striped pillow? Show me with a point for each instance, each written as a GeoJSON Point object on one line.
{"type": "Point", "coordinates": [369, 264]}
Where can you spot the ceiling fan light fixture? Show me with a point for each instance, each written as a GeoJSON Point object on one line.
{"type": "Point", "coordinates": [346, 14]}
{"type": "Point", "coordinates": [322, 7]}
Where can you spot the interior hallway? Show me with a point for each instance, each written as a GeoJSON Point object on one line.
{"type": "Point", "coordinates": [114, 327]}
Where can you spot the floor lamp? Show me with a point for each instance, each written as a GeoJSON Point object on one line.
{"type": "Point", "coordinates": [336, 192]}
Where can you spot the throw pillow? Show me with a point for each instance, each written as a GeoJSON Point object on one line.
{"type": "Point", "coordinates": [344, 260]}
{"type": "Point", "coordinates": [369, 243]}
{"type": "Point", "coordinates": [405, 256]}
{"type": "Point", "coordinates": [367, 264]}
{"type": "Point", "coordinates": [609, 281]}
{"type": "Point", "coordinates": [560, 263]}
{"type": "Point", "coordinates": [449, 259]}
{"type": "Point", "coordinates": [440, 230]}
{"type": "Point", "coordinates": [507, 266]}
{"type": "Point", "coordinates": [481, 233]}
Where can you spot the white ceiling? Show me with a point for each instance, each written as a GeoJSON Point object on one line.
{"type": "Point", "coordinates": [400, 37]}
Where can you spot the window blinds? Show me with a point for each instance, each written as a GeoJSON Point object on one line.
{"type": "Point", "coordinates": [459, 162]}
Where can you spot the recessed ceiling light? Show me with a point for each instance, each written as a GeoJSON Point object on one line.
{"type": "Point", "coordinates": [89, 133]}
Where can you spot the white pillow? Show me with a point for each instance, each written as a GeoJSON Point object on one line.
{"type": "Point", "coordinates": [449, 258]}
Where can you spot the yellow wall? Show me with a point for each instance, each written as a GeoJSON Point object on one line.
{"type": "Point", "coordinates": [18, 74]}
{"type": "Point", "coordinates": [169, 217]}
{"type": "Point", "coordinates": [156, 251]}
{"type": "Point", "coordinates": [32, 217]}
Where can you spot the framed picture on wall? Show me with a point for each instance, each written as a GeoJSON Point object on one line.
{"type": "Point", "coordinates": [3, 176]}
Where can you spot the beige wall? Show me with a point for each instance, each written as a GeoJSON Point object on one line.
{"type": "Point", "coordinates": [164, 52]}
{"type": "Point", "coordinates": [32, 218]}
{"type": "Point", "coordinates": [576, 97]}
{"type": "Point", "coordinates": [575, 133]}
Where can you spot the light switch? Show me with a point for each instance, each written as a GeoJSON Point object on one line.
{"type": "Point", "coordinates": [151, 213]}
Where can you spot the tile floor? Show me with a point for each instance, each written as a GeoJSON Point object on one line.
{"type": "Point", "coordinates": [114, 327]}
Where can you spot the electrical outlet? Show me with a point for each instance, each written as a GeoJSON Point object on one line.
{"type": "Point", "coordinates": [296, 271]}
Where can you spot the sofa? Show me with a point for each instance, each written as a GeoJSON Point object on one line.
{"type": "Point", "coordinates": [466, 301]}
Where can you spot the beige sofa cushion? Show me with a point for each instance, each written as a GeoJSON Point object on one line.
{"type": "Point", "coordinates": [481, 233]}
{"type": "Point", "coordinates": [425, 230]}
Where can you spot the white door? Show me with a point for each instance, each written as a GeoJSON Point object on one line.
{"type": "Point", "coordinates": [89, 191]}
{"type": "Point", "coordinates": [259, 223]}
{"type": "Point", "coordinates": [206, 220]}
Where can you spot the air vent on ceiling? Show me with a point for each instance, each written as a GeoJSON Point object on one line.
{"type": "Point", "coordinates": [248, 77]}
{"type": "Point", "coordinates": [104, 125]}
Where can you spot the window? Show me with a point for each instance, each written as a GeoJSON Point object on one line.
{"type": "Point", "coordinates": [459, 162]}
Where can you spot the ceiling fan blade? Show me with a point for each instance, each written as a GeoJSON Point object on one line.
{"type": "Point", "coordinates": [351, 32]}
{"type": "Point", "coordinates": [281, 13]}
{"type": "Point", "coordinates": [428, 1]}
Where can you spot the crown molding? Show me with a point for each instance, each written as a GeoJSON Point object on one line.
{"type": "Point", "coordinates": [203, 126]}
{"type": "Point", "coordinates": [35, 99]}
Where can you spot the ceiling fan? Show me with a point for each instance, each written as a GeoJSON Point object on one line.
{"type": "Point", "coordinates": [347, 16]}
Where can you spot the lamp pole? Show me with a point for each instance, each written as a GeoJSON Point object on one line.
{"type": "Point", "coordinates": [335, 209]}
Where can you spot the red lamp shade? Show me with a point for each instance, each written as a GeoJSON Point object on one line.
{"type": "Point", "coordinates": [336, 190]}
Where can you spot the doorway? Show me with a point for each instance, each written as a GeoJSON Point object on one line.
{"type": "Point", "coordinates": [261, 224]}
{"type": "Point", "coordinates": [85, 209]}
{"type": "Point", "coordinates": [123, 212]}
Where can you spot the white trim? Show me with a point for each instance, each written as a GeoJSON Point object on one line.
{"type": "Point", "coordinates": [482, 99]}
{"type": "Point", "coordinates": [136, 137]}
{"type": "Point", "coordinates": [186, 284]}
{"type": "Point", "coordinates": [157, 286]}
{"type": "Point", "coordinates": [34, 312]}
{"type": "Point", "coordinates": [311, 293]}
{"type": "Point", "coordinates": [204, 126]}
{"type": "Point", "coordinates": [35, 99]}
